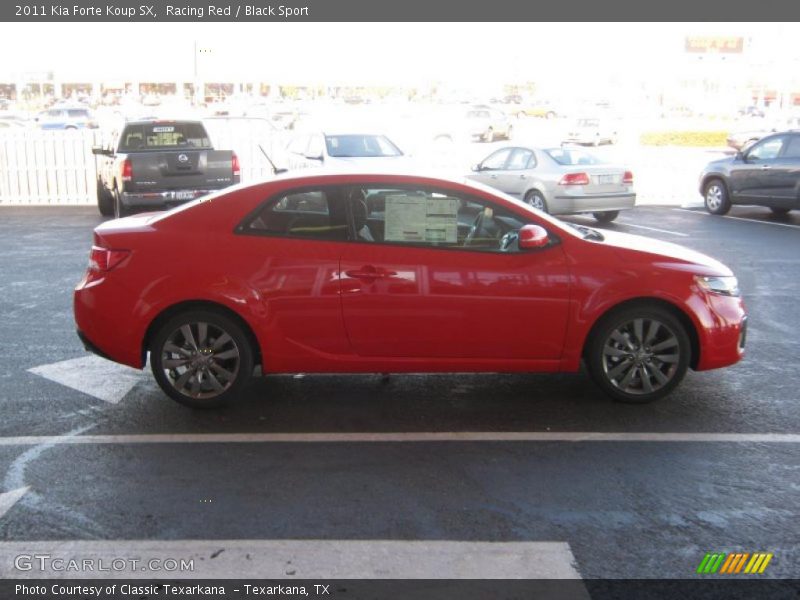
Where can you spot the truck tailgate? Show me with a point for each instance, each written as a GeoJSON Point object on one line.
{"type": "Point", "coordinates": [157, 171]}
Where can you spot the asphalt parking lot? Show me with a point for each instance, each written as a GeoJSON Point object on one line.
{"type": "Point", "coordinates": [465, 459]}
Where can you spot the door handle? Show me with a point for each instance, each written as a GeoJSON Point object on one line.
{"type": "Point", "coordinates": [369, 273]}
{"type": "Point", "coordinates": [765, 167]}
{"type": "Point", "coordinates": [493, 176]}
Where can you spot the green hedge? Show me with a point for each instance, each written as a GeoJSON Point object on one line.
{"type": "Point", "coordinates": [684, 138]}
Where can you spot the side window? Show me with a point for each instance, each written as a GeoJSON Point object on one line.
{"type": "Point", "coordinates": [315, 214]}
{"type": "Point", "coordinates": [432, 218]}
{"type": "Point", "coordinates": [521, 159]}
{"type": "Point", "coordinates": [792, 147]}
{"type": "Point", "coordinates": [766, 150]}
{"type": "Point", "coordinates": [496, 161]}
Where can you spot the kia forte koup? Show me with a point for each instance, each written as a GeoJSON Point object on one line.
{"type": "Point", "coordinates": [377, 273]}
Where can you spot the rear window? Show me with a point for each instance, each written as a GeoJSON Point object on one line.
{"type": "Point", "coordinates": [572, 156]}
{"type": "Point", "coordinates": [156, 136]}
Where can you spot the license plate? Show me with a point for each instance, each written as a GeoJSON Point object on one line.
{"type": "Point", "coordinates": [606, 179]}
{"type": "Point", "coordinates": [184, 195]}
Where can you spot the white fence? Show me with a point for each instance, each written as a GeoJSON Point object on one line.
{"type": "Point", "coordinates": [58, 167]}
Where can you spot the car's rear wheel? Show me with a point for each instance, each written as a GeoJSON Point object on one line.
{"type": "Point", "coordinates": [120, 210]}
{"type": "Point", "coordinates": [716, 197]}
{"type": "Point", "coordinates": [638, 354]}
{"type": "Point", "coordinates": [536, 200]}
{"type": "Point", "coordinates": [105, 200]}
{"type": "Point", "coordinates": [201, 358]}
{"type": "Point", "coordinates": [606, 216]}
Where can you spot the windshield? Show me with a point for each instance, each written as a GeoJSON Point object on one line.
{"type": "Point", "coordinates": [361, 146]}
{"type": "Point", "coordinates": [156, 136]}
{"type": "Point", "coordinates": [572, 156]}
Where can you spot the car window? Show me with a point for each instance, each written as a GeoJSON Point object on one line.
{"type": "Point", "coordinates": [496, 161]}
{"type": "Point", "coordinates": [315, 214]}
{"type": "Point", "coordinates": [78, 113]}
{"type": "Point", "coordinates": [568, 156]}
{"type": "Point", "coordinates": [792, 147]}
{"type": "Point", "coordinates": [521, 159]}
{"type": "Point", "coordinates": [432, 218]}
{"type": "Point", "coordinates": [361, 146]}
{"type": "Point", "coordinates": [766, 149]}
{"type": "Point", "coordinates": [158, 135]}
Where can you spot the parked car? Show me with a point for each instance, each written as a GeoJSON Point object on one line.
{"type": "Point", "coordinates": [11, 122]}
{"type": "Point", "coordinates": [541, 109]}
{"type": "Point", "coordinates": [397, 273]}
{"type": "Point", "coordinates": [476, 123]}
{"type": "Point", "coordinates": [157, 164]}
{"type": "Point", "coordinates": [592, 131]}
{"type": "Point", "coordinates": [560, 181]}
{"type": "Point", "coordinates": [66, 118]}
{"type": "Point", "coordinates": [738, 140]}
{"type": "Point", "coordinates": [767, 173]}
{"type": "Point", "coordinates": [347, 149]}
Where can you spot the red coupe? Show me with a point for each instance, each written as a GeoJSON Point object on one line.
{"type": "Point", "coordinates": [396, 273]}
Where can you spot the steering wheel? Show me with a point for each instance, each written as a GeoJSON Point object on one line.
{"type": "Point", "coordinates": [477, 225]}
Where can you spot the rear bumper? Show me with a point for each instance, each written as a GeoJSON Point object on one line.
{"type": "Point", "coordinates": [161, 199]}
{"type": "Point", "coordinates": [566, 204]}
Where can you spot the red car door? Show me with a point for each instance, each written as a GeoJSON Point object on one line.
{"type": "Point", "coordinates": [460, 296]}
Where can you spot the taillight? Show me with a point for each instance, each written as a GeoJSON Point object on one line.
{"type": "Point", "coordinates": [127, 170]}
{"type": "Point", "coordinates": [235, 164]}
{"type": "Point", "coordinates": [103, 259]}
{"type": "Point", "coordinates": [574, 179]}
{"type": "Point", "coordinates": [628, 177]}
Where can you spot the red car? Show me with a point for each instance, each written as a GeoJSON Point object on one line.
{"type": "Point", "coordinates": [396, 273]}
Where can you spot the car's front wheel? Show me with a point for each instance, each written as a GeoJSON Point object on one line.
{"type": "Point", "coordinates": [638, 354]}
{"type": "Point", "coordinates": [201, 358]}
{"type": "Point", "coordinates": [716, 197]}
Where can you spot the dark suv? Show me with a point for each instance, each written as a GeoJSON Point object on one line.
{"type": "Point", "coordinates": [766, 174]}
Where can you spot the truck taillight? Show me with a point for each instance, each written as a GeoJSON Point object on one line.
{"type": "Point", "coordinates": [103, 259]}
{"type": "Point", "coordinates": [574, 179]}
{"type": "Point", "coordinates": [235, 165]}
{"type": "Point", "coordinates": [127, 170]}
{"type": "Point", "coordinates": [628, 178]}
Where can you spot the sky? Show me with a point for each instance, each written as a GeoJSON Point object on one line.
{"type": "Point", "coordinates": [372, 53]}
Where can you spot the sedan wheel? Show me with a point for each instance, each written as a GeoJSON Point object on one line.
{"type": "Point", "coordinates": [716, 197]}
{"type": "Point", "coordinates": [201, 359]}
{"type": "Point", "coordinates": [639, 355]}
{"type": "Point", "coordinates": [536, 200]}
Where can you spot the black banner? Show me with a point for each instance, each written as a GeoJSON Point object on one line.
{"type": "Point", "coordinates": [434, 589]}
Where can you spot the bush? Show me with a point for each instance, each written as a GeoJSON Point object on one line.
{"type": "Point", "coordinates": [684, 138]}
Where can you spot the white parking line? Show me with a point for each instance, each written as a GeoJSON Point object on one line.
{"type": "Point", "coordinates": [9, 499]}
{"type": "Point", "coordinates": [299, 559]}
{"type": "Point", "coordinates": [705, 214]}
{"type": "Point", "coordinates": [626, 224]}
{"type": "Point", "coordinates": [402, 437]}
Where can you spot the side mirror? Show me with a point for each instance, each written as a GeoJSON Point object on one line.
{"type": "Point", "coordinates": [317, 157]}
{"type": "Point", "coordinates": [477, 167]}
{"type": "Point", "coordinates": [100, 150]}
{"type": "Point", "coordinates": [532, 237]}
{"type": "Point", "coordinates": [739, 155]}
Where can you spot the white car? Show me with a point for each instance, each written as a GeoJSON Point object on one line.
{"type": "Point", "coordinates": [593, 132]}
{"type": "Point", "coordinates": [326, 149]}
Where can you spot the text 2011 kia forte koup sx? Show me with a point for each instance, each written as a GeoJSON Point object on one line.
{"type": "Point", "coordinates": [390, 273]}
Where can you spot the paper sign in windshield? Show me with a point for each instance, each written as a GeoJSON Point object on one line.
{"type": "Point", "coordinates": [421, 219]}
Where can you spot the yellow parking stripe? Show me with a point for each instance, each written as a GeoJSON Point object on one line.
{"type": "Point", "coordinates": [765, 563]}
{"type": "Point", "coordinates": [754, 562]}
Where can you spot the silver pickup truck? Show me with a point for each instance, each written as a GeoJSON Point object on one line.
{"type": "Point", "coordinates": [159, 164]}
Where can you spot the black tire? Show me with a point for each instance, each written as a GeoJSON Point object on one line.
{"type": "Point", "coordinates": [715, 196]}
{"type": "Point", "coordinates": [605, 216]}
{"type": "Point", "coordinates": [536, 200]}
{"type": "Point", "coordinates": [120, 210]}
{"type": "Point", "coordinates": [207, 376]}
{"type": "Point", "coordinates": [616, 341]}
{"type": "Point", "coordinates": [780, 211]}
{"type": "Point", "coordinates": [105, 200]}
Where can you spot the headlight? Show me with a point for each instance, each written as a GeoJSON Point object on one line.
{"type": "Point", "coordinates": [726, 286]}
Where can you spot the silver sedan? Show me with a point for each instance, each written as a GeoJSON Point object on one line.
{"type": "Point", "coordinates": [560, 180]}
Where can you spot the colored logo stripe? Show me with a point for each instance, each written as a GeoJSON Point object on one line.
{"type": "Point", "coordinates": [734, 562]}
